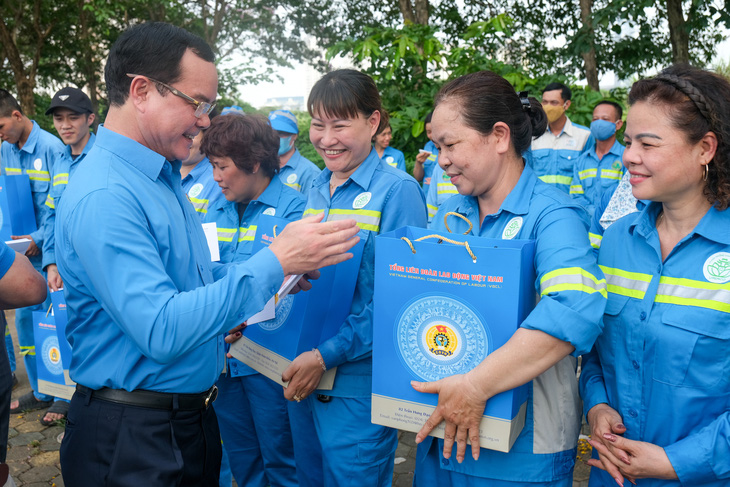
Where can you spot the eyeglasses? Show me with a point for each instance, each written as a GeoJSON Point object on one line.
{"type": "Point", "coordinates": [201, 107]}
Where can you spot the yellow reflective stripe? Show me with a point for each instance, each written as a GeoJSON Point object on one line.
{"type": "Point", "coordinates": [624, 283]}
{"type": "Point", "coordinates": [296, 186]}
{"type": "Point", "coordinates": [446, 188]}
{"type": "Point", "coordinates": [7, 330]}
{"type": "Point", "coordinates": [27, 350]}
{"type": "Point", "coordinates": [576, 189]}
{"type": "Point", "coordinates": [587, 173]}
{"type": "Point", "coordinates": [432, 210]}
{"type": "Point", "coordinates": [366, 219]}
{"type": "Point", "coordinates": [13, 170]}
{"type": "Point", "coordinates": [595, 240]}
{"type": "Point", "coordinates": [247, 234]}
{"type": "Point", "coordinates": [38, 175]}
{"type": "Point", "coordinates": [556, 179]}
{"type": "Point", "coordinates": [432, 157]}
{"type": "Point", "coordinates": [392, 164]}
{"type": "Point", "coordinates": [60, 179]}
{"type": "Point", "coordinates": [49, 202]}
{"type": "Point", "coordinates": [572, 279]}
{"type": "Point", "coordinates": [226, 234]}
{"type": "Point", "coordinates": [611, 174]}
{"type": "Point", "coordinates": [200, 205]}
{"type": "Point", "coordinates": [688, 292]}
{"type": "Point", "coordinates": [312, 211]}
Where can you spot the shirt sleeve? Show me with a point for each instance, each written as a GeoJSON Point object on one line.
{"type": "Point", "coordinates": [592, 385]}
{"type": "Point", "coordinates": [59, 180]}
{"type": "Point", "coordinates": [404, 206]}
{"type": "Point", "coordinates": [52, 154]}
{"type": "Point", "coordinates": [577, 192]}
{"type": "Point", "coordinates": [7, 257]}
{"type": "Point", "coordinates": [118, 260]}
{"type": "Point", "coordinates": [703, 456]}
{"type": "Point", "coordinates": [572, 288]}
{"type": "Point", "coordinates": [432, 204]}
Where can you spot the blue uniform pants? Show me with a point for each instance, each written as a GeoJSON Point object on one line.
{"type": "Point", "coordinates": [429, 473]}
{"type": "Point", "coordinates": [355, 452]}
{"type": "Point", "coordinates": [6, 387]}
{"type": "Point", "coordinates": [307, 450]}
{"type": "Point", "coordinates": [24, 326]}
{"type": "Point", "coordinates": [9, 346]}
{"type": "Point", "coordinates": [254, 423]}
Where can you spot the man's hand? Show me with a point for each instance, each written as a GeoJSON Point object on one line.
{"type": "Point", "coordinates": [306, 245]}
{"type": "Point", "coordinates": [33, 249]}
{"type": "Point", "coordinates": [54, 278]}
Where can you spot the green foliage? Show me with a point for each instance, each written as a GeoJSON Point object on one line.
{"type": "Point", "coordinates": [305, 147]}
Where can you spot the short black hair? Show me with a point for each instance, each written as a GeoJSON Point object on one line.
{"type": "Point", "coordinates": [565, 92]}
{"type": "Point", "coordinates": [615, 105]}
{"type": "Point", "coordinates": [8, 104]}
{"type": "Point", "coordinates": [345, 93]}
{"type": "Point", "coordinates": [151, 49]}
{"type": "Point", "coordinates": [428, 117]}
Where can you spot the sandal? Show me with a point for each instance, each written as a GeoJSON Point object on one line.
{"type": "Point", "coordinates": [58, 407]}
{"type": "Point", "coordinates": [28, 402]}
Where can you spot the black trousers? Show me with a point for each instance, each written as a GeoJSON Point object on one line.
{"type": "Point", "coordinates": [6, 389]}
{"type": "Point", "coordinates": [113, 445]}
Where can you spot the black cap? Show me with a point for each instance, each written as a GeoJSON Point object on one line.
{"type": "Point", "coordinates": [72, 98]}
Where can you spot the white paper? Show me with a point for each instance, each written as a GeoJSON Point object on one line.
{"type": "Point", "coordinates": [211, 236]}
{"type": "Point", "coordinates": [20, 245]}
{"type": "Point", "coordinates": [269, 311]}
{"type": "Point", "coordinates": [423, 151]}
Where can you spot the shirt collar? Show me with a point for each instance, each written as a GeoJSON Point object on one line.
{"type": "Point", "coordinates": [270, 196]}
{"type": "Point", "coordinates": [713, 225]}
{"type": "Point", "coordinates": [517, 201]}
{"type": "Point", "coordinates": [293, 160]}
{"type": "Point", "coordinates": [142, 158]}
{"type": "Point", "coordinates": [29, 145]}
{"type": "Point", "coordinates": [199, 169]}
{"type": "Point", "coordinates": [86, 149]}
{"type": "Point", "coordinates": [362, 176]}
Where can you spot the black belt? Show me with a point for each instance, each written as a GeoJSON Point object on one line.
{"type": "Point", "coordinates": [154, 400]}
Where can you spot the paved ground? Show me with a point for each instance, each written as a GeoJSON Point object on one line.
{"type": "Point", "coordinates": [33, 448]}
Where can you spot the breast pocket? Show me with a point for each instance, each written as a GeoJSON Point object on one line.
{"type": "Point", "coordinates": [566, 161]}
{"type": "Point", "coordinates": [693, 349]}
{"type": "Point", "coordinates": [612, 340]}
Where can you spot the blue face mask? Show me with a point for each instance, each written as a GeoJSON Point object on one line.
{"type": "Point", "coordinates": [284, 145]}
{"type": "Point", "coordinates": [602, 129]}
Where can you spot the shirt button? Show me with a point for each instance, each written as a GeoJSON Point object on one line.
{"type": "Point", "coordinates": [240, 315]}
{"type": "Point", "coordinates": [642, 316]}
{"type": "Point", "coordinates": [635, 364]}
{"type": "Point", "coordinates": [632, 413]}
{"type": "Point", "coordinates": [445, 461]}
{"type": "Point", "coordinates": [659, 269]}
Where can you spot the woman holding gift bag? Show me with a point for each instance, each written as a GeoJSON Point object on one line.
{"type": "Point", "coordinates": [346, 113]}
{"type": "Point", "coordinates": [656, 387]}
{"type": "Point", "coordinates": [481, 128]}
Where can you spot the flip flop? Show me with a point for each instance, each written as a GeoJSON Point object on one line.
{"type": "Point", "coordinates": [58, 407]}
{"type": "Point", "coordinates": [28, 402]}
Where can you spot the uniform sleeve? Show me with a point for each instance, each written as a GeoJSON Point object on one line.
{"type": "Point", "coordinates": [592, 385]}
{"type": "Point", "coordinates": [404, 205]}
{"type": "Point", "coordinates": [572, 288]}
{"type": "Point", "coordinates": [432, 204]}
{"type": "Point", "coordinates": [51, 155]}
{"type": "Point", "coordinates": [577, 192]}
{"type": "Point", "coordinates": [703, 456]}
{"type": "Point", "coordinates": [117, 257]}
{"type": "Point", "coordinates": [7, 257]}
{"type": "Point", "coordinates": [595, 234]}
{"type": "Point", "coordinates": [59, 181]}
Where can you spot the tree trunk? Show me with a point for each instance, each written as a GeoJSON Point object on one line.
{"type": "Point", "coordinates": [589, 56]}
{"type": "Point", "coordinates": [416, 14]}
{"type": "Point", "coordinates": [678, 35]}
{"type": "Point", "coordinates": [23, 82]}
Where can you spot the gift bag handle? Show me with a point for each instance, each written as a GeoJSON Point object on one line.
{"type": "Point", "coordinates": [441, 238]}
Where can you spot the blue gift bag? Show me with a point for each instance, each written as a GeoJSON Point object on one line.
{"type": "Point", "coordinates": [303, 320]}
{"type": "Point", "coordinates": [61, 317]}
{"type": "Point", "coordinates": [52, 378]}
{"type": "Point", "coordinates": [17, 216]}
{"type": "Point", "coordinates": [442, 303]}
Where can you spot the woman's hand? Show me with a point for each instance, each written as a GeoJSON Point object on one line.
{"type": "Point", "coordinates": [303, 375]}
{"type": "Point", "coordinates": [461, 404]}
{"type": "Point", "coordinates": [234, 335]}
{"type": "Point", "coordinates": [647, 460]}
{"type": "Point", "coordinates": [604, 420]}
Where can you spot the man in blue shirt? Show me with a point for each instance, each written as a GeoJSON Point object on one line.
{"type": "Point", "coordinates": [296, 171]}
{"type": "Point", "coordinates": [147, 307]}
{"type": "Point", "coordinates": [28, 149]}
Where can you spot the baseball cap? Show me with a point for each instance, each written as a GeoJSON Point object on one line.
{"type": "Point", "coordinates": [283, 121]}
{"type": "Point", "coordinates": [72, 98]}
{"type": "Point", "coordinates": [233, 109]}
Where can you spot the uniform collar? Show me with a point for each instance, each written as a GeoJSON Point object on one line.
{"type": "Point", "coordinates": [293, 161]}
{"type": "Point", "coordinates": [270, 196]}
{"type": "Point", "coordinates": [362, 176]}
{"type": "Point", "coordinates": [616, 149]}
{"type": "Point", "coordinates": [199, 169]}
{"type": "Point", "coordinates": [87, 148]}
{"type": "Point", "coordinates": [142, 158]}
{"type": "Point", "coordinates": [713, 225]}
{"type": "Point", "coordinates": [33, 136]}
{"type": "Point", "coordinates": [517, 201]}
{"type": "Point", "coordinates": [567, 128]}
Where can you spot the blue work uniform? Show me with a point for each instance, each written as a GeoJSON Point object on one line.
{"type": "Point", "coordinates": [572, 298]}
{"type": "Point", "coordinates": [251, 408]}
{"type": "Point", "coordinates": [394, 158]}
{"type": "Point", "coordinates": [552, 157]}
{"type": "Point", "coordinates": [63, 170]}
{"type": "Point", "coordinates": [36, 159]}
{"type": "Point", "coordinates": [430, 164]}
{"type": "Point", "coordinates": [299, 172]}
{"type": "Point", "coordinates": [663, 359]}
{"type": "Point", "coordinates": [202, 190]}
{"type": "Point", "coordinates": [439, 191]}
{"type": "Point", "coordinates": [357, 452]}
{"type": "Point", "coordinates": [614, 204]}
{"type": "Point", "coordinates": [592, 176]}
{"type": "Point", "coordinates": [7, 257]}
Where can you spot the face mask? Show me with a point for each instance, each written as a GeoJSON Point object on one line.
{"type": "Point", "coordinates": [284, 145]}
{"type": "Point", "coordinates": [603, 129]}
{"type": "Point", "coordinates": [553, 112]}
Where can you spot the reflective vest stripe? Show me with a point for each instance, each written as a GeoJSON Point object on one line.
{"type": "Point", "coordinates": [624, 283]}
{"type": "Point", "coordinates": [226, 234]}
{"type": "Point", "coordinates": [595, 240]}
{"type": "Point", "coordinates": [296, 186]}
{"type": "Point", "coordinates": [432, 210]}
{"type": "Point", "coordinates": [247, 233]}
{"type": "Point", "coordinates": [572, 279]}
{"type": "Point", "coordinates": [688, 292]}
{"type": "Point", "coordinates": [446, 188]}
{"type": "Point", "coordinates": [366, 219]}
{"type": "Point", "coordinates": [312, 211]}
{"type": "Point", "coordinates": [576, 189]}
{"type": "Point", "coordinates": [60, 179]}
{"type": "Point", "coordinates": [612, 174]}
{"type": "Point", "coordinates": [556, 179]}
{"type": "Point", "coordinates": [587, 173]}
{"type": "Point", "coordinates": [200, 205]}
{"type": "Point", "coordinates": [38, 175]}
{"type": "Point", "coordinates": [13, 170]}
{"type": "Point", "coordinates": [49, 202]}
{"type": "Point", "coordinates": [27, 350]}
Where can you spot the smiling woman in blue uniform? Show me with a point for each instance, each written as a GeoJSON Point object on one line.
{"type": "Point", "coordinates": [345, 109]}
{"type": "Point", "coordinates": [482, 127]}
{"type": "Point", "coordinates": [251, 409]}
{"type": "Point", "coordinates": [656, 386]}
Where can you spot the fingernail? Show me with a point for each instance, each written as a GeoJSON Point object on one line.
{"type": "Point", "coordinates": [621, 425]}
{"type": "Point", "coordinates": [238, 334]}
{"type": "Point", "coordinates": [609, 436]}
{"type": "Point", "coordinates": [619, 481]}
